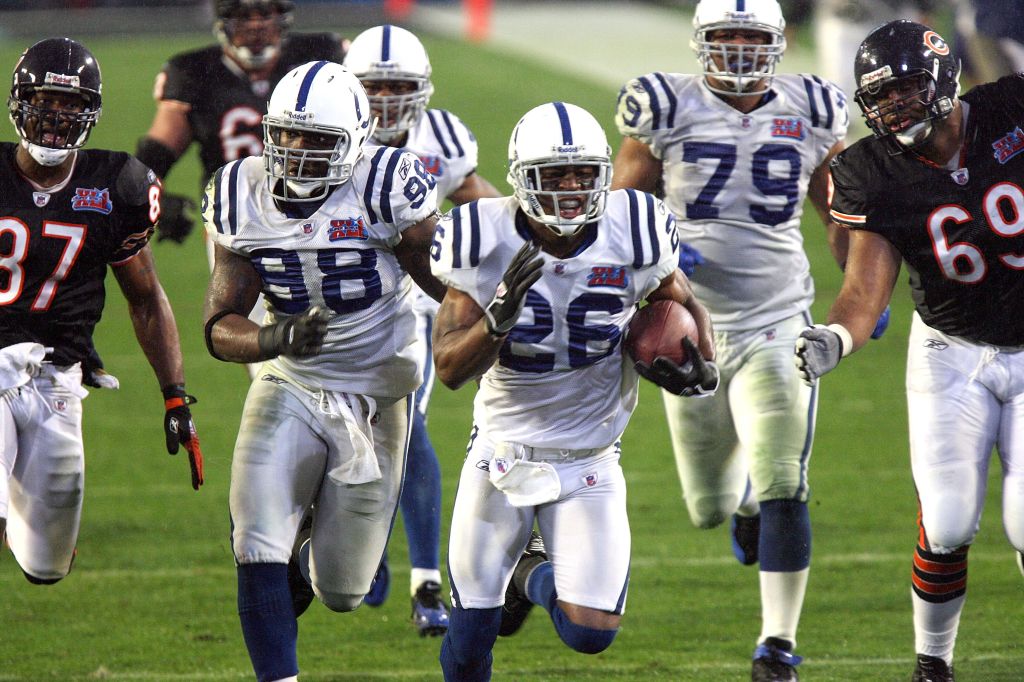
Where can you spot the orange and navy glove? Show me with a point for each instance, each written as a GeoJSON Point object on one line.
{"type": "Point", "coordinates": [181, 430]}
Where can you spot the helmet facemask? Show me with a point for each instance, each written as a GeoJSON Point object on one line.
{"type": "Point", "coordinates": [903, 107]}
{"type": "Point", "coordinates": [260, 29]}
{"type": "Point", "coordinates": [738, 68]}
{"type": "Point", "coordinates": [399, 111]}
{"type": "Point", "coordinates": [51, 133]}
{"type": "Point", "coordinates": [546, 192]}
{"type": "Point", "coordinates": [305, 172]}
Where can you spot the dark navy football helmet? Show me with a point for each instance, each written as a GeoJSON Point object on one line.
{"type": "Point", "coordinates": [907, 77]}
{"type": "Point", "coordinates": [51, 127]}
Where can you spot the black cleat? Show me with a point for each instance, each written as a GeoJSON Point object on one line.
{"type": "Point", "coordinates": [517, 605]}
{"type": "Point", "coordinates": [1020, 562]}
{"type": "Point", "coordinates": [298, 581]}
{"type": "Point", "coordinates": [380, 586]}
{"type": "Point", "coordinates": [932, 669]}
{"type": "Point", "coordinates": [773, 662]}
{"type": "Point", "coordinates": [746, 533]}
{"type": "Point", "coordinates": [429, 612]}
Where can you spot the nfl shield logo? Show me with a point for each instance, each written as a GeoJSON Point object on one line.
{"type": "Point", "coordinates": [960, 176]}
{"type": "Point", "coordinates": [590, 480]}
{"type": "Point", "coordinates": [60, 404]}
{"type": "Point", "coordinates": [41, 198]}
{"type": "Point", "coordinates": [307, 228]}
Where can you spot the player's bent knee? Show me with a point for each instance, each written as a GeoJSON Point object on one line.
{"type": "Point", "coordinates": [711, 511]}
{"type": "Point", "coordinates": [340, 602]}
{"type": "Point", "coordinates": [35, 580]}
{"type": "Point", "coordinates": [581, 638]}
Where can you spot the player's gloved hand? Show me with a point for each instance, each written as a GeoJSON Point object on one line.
{"type": "Point", "coordinates": [818, 351]}
{"type": "Point", "coordinates": [177, 218]}
{"type": "Point", "coordinates": [522, 273]}
{"type": "Point", "coordinates": [181, 430]}
{"type": "Point", "coordinates": [882, 324]}
{"type": "Point", "coordinates": [689, 259]}
{"type": "Point", "coordinates": [299, 336]}
{"type": "Point", "coordinates": [695, 377]}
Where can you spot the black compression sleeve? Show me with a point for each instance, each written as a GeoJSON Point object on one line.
{"type": "Point", "coordinates": [155, 155]}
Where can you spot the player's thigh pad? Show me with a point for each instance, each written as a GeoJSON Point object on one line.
{"type": "Point", "coordinates": [352, 522]}
{"type": "Point", "coordinates": [954, 410]}
{"type": "Point", "coordinates": [48, 476]}
{"type": "Point", "coordinates": [586, 533]}
{"type": "Point", "coordinates": [487, 534]}
{"type": "Point", "coordinates": [279, 461]}
{"type": "Point", "coordinates": [774, 411]}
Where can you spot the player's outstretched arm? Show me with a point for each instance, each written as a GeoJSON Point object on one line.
{"type": "Point", "coordinates": [413, 252]}
{"type": "Point", "coordinates": [157, 332]}
{"type": "Point", "coordinates": [868, 281]}
{"type": "Point", "coordinates": [635, 167]}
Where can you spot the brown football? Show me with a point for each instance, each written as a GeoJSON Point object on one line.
{"type": "Point", "coordinates": [658, 329]}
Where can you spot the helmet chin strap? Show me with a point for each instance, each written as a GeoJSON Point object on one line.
{"type": "Point", "coordinates": [45, 156]}
{"type": "Point", "coordinates": [304, 189]}
{"type": "Point", "coordinates": [915, 134]}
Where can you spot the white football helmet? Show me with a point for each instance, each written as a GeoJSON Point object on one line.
{"type": "Point", "coordinates": [554, 135]}
{"type": "Point", "coordinates": [392, 54]}
{"type": "Point", "coordinates": [319, 100]}
{"type": "Point", "coordinates": [745, 69]}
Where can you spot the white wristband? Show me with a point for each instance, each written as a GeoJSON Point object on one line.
{"type": "Point", "coordinates": [844, 336]}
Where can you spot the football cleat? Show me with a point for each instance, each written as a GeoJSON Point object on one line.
{"type": "Point", "coordinates": [746, 533]}
{"type": "Point", "coordinates": [517, 605]}
{"type": "Point", "coordinates": [773, 662]}
{"type": "Point", "coordinates": [298, 569]}
{"type": "Point", "coordinates": [380, 586]}
{"type": "Point", "coordinates": [932, 669]}
{"type": "Point", "coordinates": [1020, 562]}
{"type": "Point", "coordinates": [429, 612]}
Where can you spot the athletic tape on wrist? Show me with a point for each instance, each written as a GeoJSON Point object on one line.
{"type": "Point", "coordinates": [845, 338]}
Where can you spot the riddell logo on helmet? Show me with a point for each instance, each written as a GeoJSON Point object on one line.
{"type": "Point", "coordinates": [875, 76]}
{"type": "Point", "coordinates": [567, 149]}
{"type": "Point", "coordinates": [739, 16]}
{"type": "Point", "coordinates": [302, 116]}
{"type": "Point", "coordinates": [62, 80]}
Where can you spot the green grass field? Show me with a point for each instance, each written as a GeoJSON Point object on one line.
{"type": "Point", "coordinates": [152, 596]}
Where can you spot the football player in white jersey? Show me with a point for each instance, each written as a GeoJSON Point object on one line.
{"type": "Point", "coordinates": [330, 230]}
{"type": "Point", "coordinates": [736, 149]}
{"type": "Point", "coordinates": [394, 69]}
{"type": "Point", "coordinates": [541, 287]}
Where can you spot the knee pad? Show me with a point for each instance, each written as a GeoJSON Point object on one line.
{"type": "Point", "coordinates": [340, 602]}
{"type": "Point", "coordinates": [711, 511]}
{"type": "Point", "coordinates": [579, 637]}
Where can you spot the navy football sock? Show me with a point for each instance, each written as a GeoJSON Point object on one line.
{"type": "Point", "coordinates": [421, 496]}
{"type": "Point", "coordinates": [540, 586]}
{"type": "Point", "coordinates": [268, 620]}
{"type": "Point", "coordinates": [466, 650]}
{"type": "Point", "coordinates": [579, 637]}
{"type": "Point", "coordinates": [785, 543]}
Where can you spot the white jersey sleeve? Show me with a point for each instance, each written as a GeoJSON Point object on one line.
{"type": "Point", "coordinates": [395, 187]}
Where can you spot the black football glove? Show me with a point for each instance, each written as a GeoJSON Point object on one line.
{"type": "Point", "coordinates": [522, 273]}
{"type": "Point", "coordinates": [181, 430]}
{"type": "Point", "coordinates": [695, 377]}
{"type": "Point", "coordinates": [177, 217]}
{"type": "Point", "coordinates": [299, 336]}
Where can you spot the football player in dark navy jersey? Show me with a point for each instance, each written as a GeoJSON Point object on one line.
{"type": "Point", "coordinates": [65, 215]}
{"type": "Point", "coordinates": [938, 187]}
{"type": "Point", "coordinates": [216, 96]}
